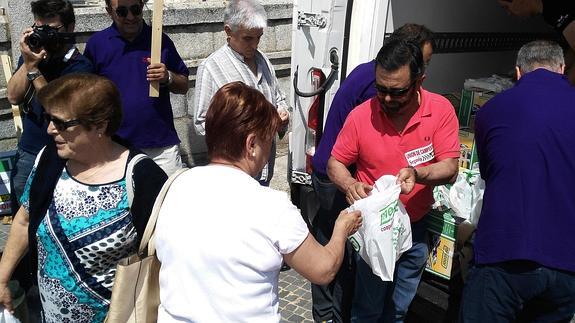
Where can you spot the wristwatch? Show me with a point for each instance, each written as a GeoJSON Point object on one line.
{"type": "Point", "coordinates": [33, 75]}
{"type": "Point", "coordinates": [169, 81]}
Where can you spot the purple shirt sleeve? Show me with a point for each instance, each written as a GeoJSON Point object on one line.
{"type": "Point", "coordinates": [358, 87]}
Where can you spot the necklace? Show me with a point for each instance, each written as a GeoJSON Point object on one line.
{"type": "Point", "coordinates": [105, 171]}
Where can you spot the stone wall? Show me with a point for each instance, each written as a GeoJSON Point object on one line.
{"type": "Point", "coordinates": [195, 27]}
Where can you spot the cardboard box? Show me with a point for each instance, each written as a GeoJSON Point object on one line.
{"type": "Point", "coordinates": [471, 101]}
{"type": "Point", "coordinates": [442, 233]}
{"type": "Point", "coordinates": [468, 152]}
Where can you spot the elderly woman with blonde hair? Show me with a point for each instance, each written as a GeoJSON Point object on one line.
{"type": "Point", "coordinates": [221, 237]}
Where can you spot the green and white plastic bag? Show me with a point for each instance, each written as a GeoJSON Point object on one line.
{"type": "Point", "coordinates": [386, 230]}
{"type": "Point", "coordinates": [466, 195]}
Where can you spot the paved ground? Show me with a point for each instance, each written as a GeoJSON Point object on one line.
{"type": "Point", "coordinates": [4, 230]}
{"type": "Point", "coordinates": [295, 297]}
{"type": "Point", "coordinates": [294, 290]}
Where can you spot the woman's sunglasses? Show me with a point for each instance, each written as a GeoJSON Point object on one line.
{"type": "Point", "coordinates": [61, 125]}
{"type": "Point", "coordinates": [122, 11]}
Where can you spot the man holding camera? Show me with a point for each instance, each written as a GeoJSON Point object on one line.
{"type": "Point", "coordinates": [121, 53]}
{"type": "Point", "coordinates": [48, 52]}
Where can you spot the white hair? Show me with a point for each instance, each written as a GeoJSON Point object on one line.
{"type": "Point", "coordinates": [540, 54]}
{"type": "Point", "coordinates": [249, 14]}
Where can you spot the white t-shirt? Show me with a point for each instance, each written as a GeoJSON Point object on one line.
{"type": "Point", "coordinates": [220, 237]}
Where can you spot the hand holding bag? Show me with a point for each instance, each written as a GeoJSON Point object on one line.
{"type": "Point", "coordinates": [386, 231]}
{"type": "Point", "coordinates": [136, 291]}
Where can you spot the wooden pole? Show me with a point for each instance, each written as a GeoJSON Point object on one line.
{"type": "Point", "coordinates": [157, 14]}
{"type": "Point", "coordinates": [7, 67]}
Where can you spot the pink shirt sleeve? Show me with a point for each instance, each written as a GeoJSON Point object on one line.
{"type": "Point", "coordinates": [346, 147]}
{"type": "Point", "coordinates": [446, 139]}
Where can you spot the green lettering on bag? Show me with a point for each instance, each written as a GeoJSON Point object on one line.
{"type": "Point", "coordinates": [355, 244]}
{"type": "Point", "coordinates": [386, 214]}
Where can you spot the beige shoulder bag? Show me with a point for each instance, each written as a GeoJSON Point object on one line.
{"type": "Point", "coordinates": [136, 291]}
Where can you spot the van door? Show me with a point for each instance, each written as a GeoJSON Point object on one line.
{"type": "Point", "coordinates": [329, 38]}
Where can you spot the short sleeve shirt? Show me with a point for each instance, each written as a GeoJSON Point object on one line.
{"type": "Point", "coordinates": [147, 122]}
{"type": "Point", "coordinates": [369, 139]}
{"type": "Point", "coordinates": [225, 66]}
{"type": "Point", "coordinates": [358, 87]}
{"type": "Point", "coordinates": [221, 238]}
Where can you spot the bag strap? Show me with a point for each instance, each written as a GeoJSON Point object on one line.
{"type": "Point", "coordinates": [149, 233]}
{"type": "Point", "coordinates": [130, 176]}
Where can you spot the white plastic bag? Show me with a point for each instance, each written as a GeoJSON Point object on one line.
{"type": "Point", "coordinates": [6, 317]}
{"type": "Point", "coordinates": [386, 230]}
{"type": "Point", "coordinates": [466, 195]}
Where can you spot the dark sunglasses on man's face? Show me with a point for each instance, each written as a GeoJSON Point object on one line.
{"type": "Point", "coordinates": [60, 125]}
{"type": "Point", "coordinates": [122, 11]}
{"type": "Point", "coordinates": [382, 90]}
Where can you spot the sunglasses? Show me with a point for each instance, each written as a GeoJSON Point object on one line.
{"type": "Point", "coordinates": [60, 125]}
{"type": "Point", "coordinates": [382, 90]}
{"type": "Point", "coordinates": [122, 11]}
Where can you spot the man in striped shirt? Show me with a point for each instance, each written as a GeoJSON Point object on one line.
{"type": "Point", "coordinates": [240, 60]}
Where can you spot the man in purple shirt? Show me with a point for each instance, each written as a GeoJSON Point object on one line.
{"type": "Point", "coordinates": [121, 52]}
{"type": "Point", "coordinates": [524, 244]}
{"type": "Point", "coordinates": [333, 302]}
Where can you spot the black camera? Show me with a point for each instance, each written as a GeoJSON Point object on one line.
{"type": "Point", "coordinates": [48, 37]}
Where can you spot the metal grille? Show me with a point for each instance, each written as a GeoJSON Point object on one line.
{"type": "Point", "coordinates": [485, 42]}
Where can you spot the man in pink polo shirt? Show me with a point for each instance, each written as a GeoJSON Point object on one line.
{"type": "Point", "coordinates": [404, 131]}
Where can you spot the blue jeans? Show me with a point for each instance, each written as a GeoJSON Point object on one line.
{"type": "Point", "coordinates": [23, 163]}
{"type": "Point", "coordinates": [379, 301]}
{"type": "Point", "coordinates": [525, 290]}
{"type": "Point", "coordinates": [331, 302]}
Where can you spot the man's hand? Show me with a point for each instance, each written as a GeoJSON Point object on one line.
{"type": "Point", "coordinates": [406, 178]}
{"type": "Point", "coordinates": [357, 191]}
{"type": "Point", "coordinates": [157, 72]}
{"type": "Point", "coordinates": [31, 59]}
{"type": "Point", "coordinates": [349, 222]}
{"type": "Point", "coordinates": [520, 8]}
{"type": "Point", "coordinates": [284, 116]}
{"type": "Point", "coordinates": [6, 297]}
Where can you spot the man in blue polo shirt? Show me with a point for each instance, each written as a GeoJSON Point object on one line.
{"type": "Point", "coordinates": [524, 244]}
{"type": "Point", "coordinates": [333, 302]}
{"type": "Point", "coordinates": [121, 52]}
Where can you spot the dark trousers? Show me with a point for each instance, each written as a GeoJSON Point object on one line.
{"type": "Point", "coordinates": [332, 302]}
{"type": "Point", "coordinates": [386, 302]}
{"type": "Point", "coordinates": [270, 166]}
{"type": "Point", "coordinates": [518, 291]}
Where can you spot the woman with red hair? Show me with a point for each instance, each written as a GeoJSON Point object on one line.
{"type": "Point", "coordinates": [221, 237]}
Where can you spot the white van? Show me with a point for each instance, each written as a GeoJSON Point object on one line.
{"type": "Point", "coordinates": [331, 37]}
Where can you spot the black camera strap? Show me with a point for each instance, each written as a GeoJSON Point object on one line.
{"type": "Point", "coordinates": [66, 38]}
